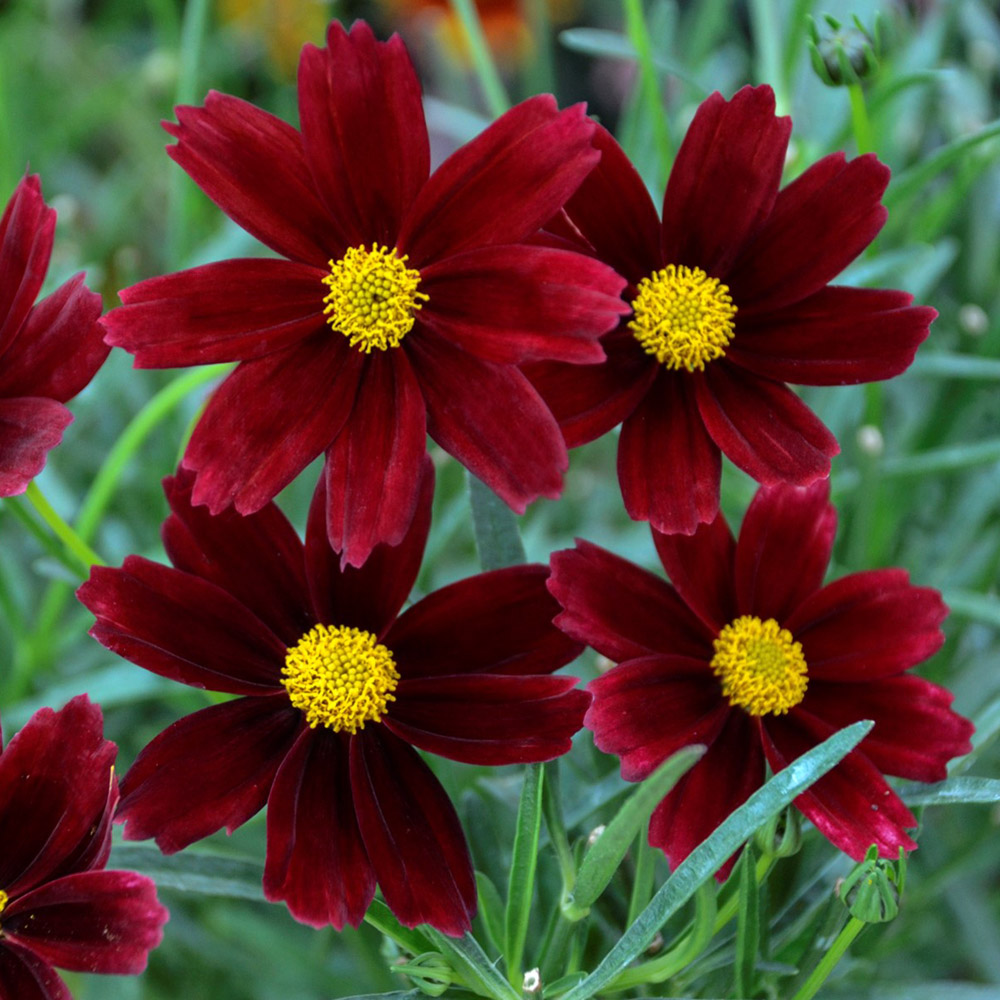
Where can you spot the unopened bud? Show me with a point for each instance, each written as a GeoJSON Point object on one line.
{"type": "Point", "coordinates": [871, 892]}
{"type": "Point", "coordinates": [781, 836]}
{"type": "Point", "coordinates": [844, 54]}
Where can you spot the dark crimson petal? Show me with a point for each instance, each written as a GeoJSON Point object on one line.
{"type": "Point", "coordinates": [868, 625]}
{"type": "Point", "coordinates": [784, 548]}
{"type": "Point", "coordinates": [613, 210]}
{"type": "Point", "coordinates": [269, 419]}
{"type": "Point", "coordinates": [182, 627]}
{"type": "Point", "coordinates": [504, 184]}
{"type": "Point", "coordinates": [55, 776]}
{"type": "Point", "coordinates": [725, 179]}
{"type": "Point", "coordinates": [646, 709]}
{"type": "Point", "coordinates": [231, 310]}
{"type": "Point", "coordinates": [835, 337]}
{"type": "Point", "coordinates": [103, 921]}
{"type": "Point", "coordinates": [701, 567]}
{"type": "Point", "coordinates": [621, 610]}
{"type": "Point", "coordinates": [820, 223]}
{"type": "Point", "coordinates": [256, 558]}
{"type": "Point", "coordinates": [916, 733]}
{"type": "Point", "coordinates": [763, 427]}
{"type": "Point", "coordinates": [316, 861]}
{"type": "Point", "coordinates": [24, 976]}
{"type": "Point", "coordinates": [523, 303]}
{"type": "Point", "coordinates": [372, 472]}
{"type": "Point", "coordinates": [253, 167]}
{"type": "Point", "coordinates": [489, 718]}
{"type": "Point", "coordinates": [852, 806]}
{"type": "Point", "coordinates": [208, 770]}
{"type": "Point", "coordinates": [30, 427]}
{"type": "Point", "coordinates": [411, 833]}
{"type": "Point", "coordinates": [491, 419]}
{"type": "Point", "coordinates": [729, 773]}
{"type": "Point", "coordinates": [493, 623]}
{"type": "Point", "coordinates": [367, 597]}
{"type": "Point", "coordinates": [363, 131]}
{"type": "Point", "coordinates": [668, 466]}
{"type": "Point", "coordinates": [60, 347]}
{"type": "Point", "coordinates": [27, 228]}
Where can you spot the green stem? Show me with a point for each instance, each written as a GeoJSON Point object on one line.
{"type": "Point", "coordinates": [826, 964]}
{"type": "Point", "coordinates": [552, 807]}
{"type": "Point", "coordinates": [70, 539]}
{"type": "Point", "coordinates": [767, 41]}
{"type": "Point", "coordinates": [642, 887]}
{"type": "Point", "coordinates": [494, 92]}
{"type": "Point", "coordinates": [521, 886]}
{"type": "Point", "coordinates": [728, 910]}
{"type": "Point", "coordinates": [860, 122]}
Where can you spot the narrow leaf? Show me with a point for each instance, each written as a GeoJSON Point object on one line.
{"type": "Point", "coordinates": [469, 960]}
{"type": "Point", "coordinates": [408, 938]}
{"type": "Point", "coordinates": [491, 909]}
{"type": "Point", "coordinates": [521, 886]}
{"type": "Point", "coordinates": [192, 871]}
{"type": "Point", "coordinates": [952, 791]}
{"type": "Point", "coordinates": [498, 538]}
{"type": "Point", "coordinates": [964, 366]}
{"type": "Point", "coordinates": [747, 923]}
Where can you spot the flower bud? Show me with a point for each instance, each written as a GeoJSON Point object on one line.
{"type": "Point", "coordinates": [781, 836]}
{"type": "Point", "coordinates": [871, 892]}
{"type": "Point", "coordinates": [846, 54]}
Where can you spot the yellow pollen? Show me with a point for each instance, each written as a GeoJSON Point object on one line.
{"type": "Point", "coordinates": [3, 900]}
{"type": "Point", "coordinates": [760, 665]}
{"type": "Point", "coordinates": [683, 317]}
{"type": "Point", "coordinates": [340, 677]}
{"type": "Point", "coordinates": [373, 296]}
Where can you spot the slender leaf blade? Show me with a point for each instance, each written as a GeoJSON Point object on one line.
{"type": "Point", "coordinates": [521, 886]}
{"type": "Point", "coordinates": [498, 538]}
{"type": "Point", "coordinates": [952, 791]}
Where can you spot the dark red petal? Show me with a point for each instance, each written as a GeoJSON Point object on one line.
{"type": "Point", "coordinates": [60, 347]}
{"type": "Point", "coordinates": [56, 777]}
{"type": "Point", "coordinates": [208, 770]}
{"type": "Point", "coordinates": [24, 976]}
{"type": "Point", "coordinates": [182, 627]}
{"type": "Point", "coordinates": [491, 419]}
{"type": "Point", "coordinates": [372, 473]}
{"type": "Point", "coordinates": [763, 427]}
{"type": "Point", "coordinates": [868, 625]}
{"type": "Point", "coordinates": [232, 310]}
{"type": "Point", "coordinates": [103, 921]}
{"type": "Point", "coordinates": [916, 733]}
{"type": "Point", "coordinates": [367, 597]}
{"type": "Point", "coordinates": [852, 806]}
{"type": "Point", "coordinates": [30, 427]}
{"type": "Point", "coordinates": [820, 223]}
{"type": "Point", "coordinates": [701, 567]}
{"type": "Point", "coordinates": [646, 709]}
{"type": "Point", "coordinates": [724, 181]}
{"type": "Point", "coordinates": [668, 466]}
{"type": "Point", "coordinates": [504, 184]}
{"type": "Point", "coordinates": [269, 419]}
{"type": "Point", "coordinates": [493, 623]}
{"type": "Point", "coordinates": [257, 558]}
{"type": "Point", "coordinates": [835, 337]}
{"type": "Point", "coordinates": [523, 303]}
{"type": "Point", "coordinates": [784, 548]}
{"type": "Point", "coordinates": [316, 861]}
{"type": "Point", "coordinates": [621, 610]}
{"type": "Point", "coordinates": [27, 228]}
{"type": "Point", "coordinates": [253, 167]}
{"type": "Point", "coordinates": [411, 834]}
{"type": "Point", "coordinates": [729, 773]}
{"type": "Point", "coordinates": [363, 131]}
{"type": "Point", "coordinates": [489, 718]}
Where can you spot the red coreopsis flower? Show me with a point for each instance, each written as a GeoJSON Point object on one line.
{"type": "Point", "coordinates": [729, 301]}
{"type": "Point", "coordinates": [48, 351]}
{"type": "Point", "coordinates": [335, 690]}
{"type": "Point", "coordinates": [404, 304]}
{"type": "Point", "coordinates": [58, 906]}
{"type": "Point", "coordinates": [751, 655]}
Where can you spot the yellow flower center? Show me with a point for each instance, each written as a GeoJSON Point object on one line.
{"type": "Point", "coordinates": [373, 296]}
{"type": "Point", "coordinates": [760, 665]}
{"type": "Point", "coordinates": [340, 677]}
{"type": "Point", "coordinates": [683, 317]}
{"type": "Point", "coordinates": [3, 900]}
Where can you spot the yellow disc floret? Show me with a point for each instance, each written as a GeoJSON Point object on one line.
{"type": "Point", "coordinates": [760, 665]}
{"type": "Point", "coordinates": [3, 900]}
{"type": "Point", "coordinates": [683, 317]}
{"type": "Point", "coordinates": [340, 677]}
{"type": "Point", "coordinates": [373, 296]}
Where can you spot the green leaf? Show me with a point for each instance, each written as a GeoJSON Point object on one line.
{"type": "Point", "coordinates": [602, 860]}
{"type": "Point", "coordinates": [944, 365]}
{"type": "Point", "coordinates": [983, 608]}
{"type": "Point", "coordinates": [192, 871]}
{"type": "Point", "coordinates": [521, 885]}
{"type": "Point", "coordinates": [469, 960]}
{"type": "Point", "coordinates": [747, 924]}
{"type": "Point", "coordinates": [395, 995]}
{"type": "Point", "coordinates": [491, 909]}
{"type": "Point", "coordinates": [952, 791]}
{"type": "Point", "coordinates": [410, 939]}
{"type": "Point", "coordinates": [707, 858]}
{"type": "Point", "coordinates": [498, 538]}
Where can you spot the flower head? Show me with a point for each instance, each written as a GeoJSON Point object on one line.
{"type": "Point", "coordinates": [58, 906]}
{"type": "Point", "coordinates": [48, 351]}
{"type": "Point", "coordinates": [729, 299]}
{"type": "Point", "coordinates": [750, 654]}
{"type": "Point", "coordinates": [334, 690]}
{"type": "Point", "coordinates": [403, 305]}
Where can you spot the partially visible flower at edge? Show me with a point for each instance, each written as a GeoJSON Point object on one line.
{"type": "Point", "coordinates": [48, 352]}
{"type": "Point", "coordinates": [58, 904]}
{"type": "Point", "coordinates": [749, 653]}
{"type": "Point", "coordinates": [336, 688]}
